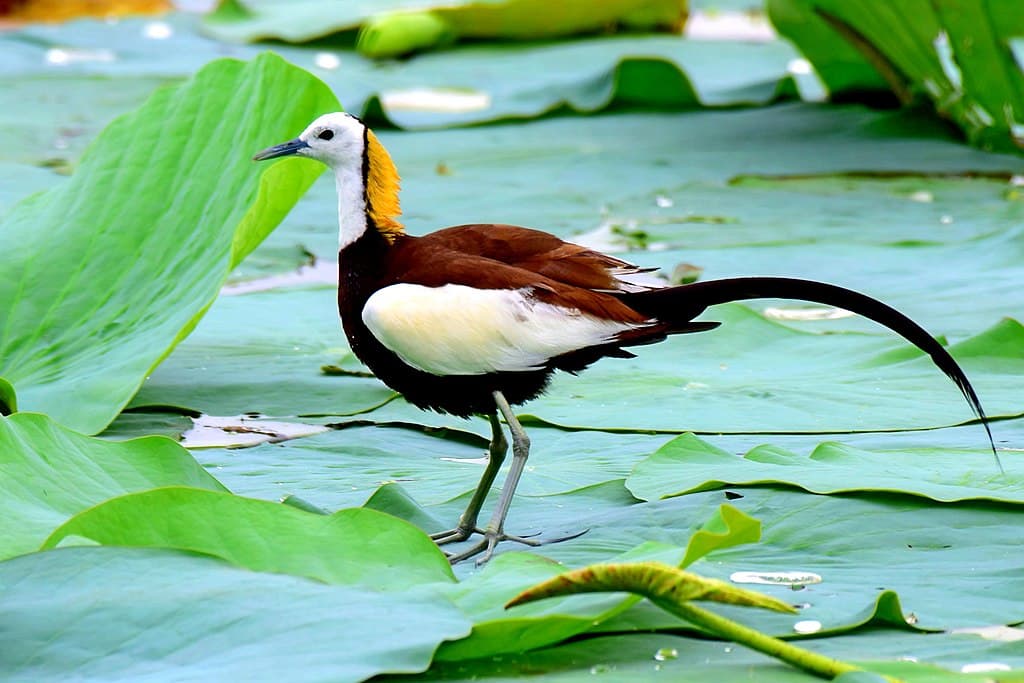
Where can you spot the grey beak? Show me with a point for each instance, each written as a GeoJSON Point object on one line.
{"type": "Point", "coordinates": [283, 150]}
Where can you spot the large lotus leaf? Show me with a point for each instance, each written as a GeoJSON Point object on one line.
{"type": "Point", "coordinates": [909, 209]}
{"type": "Point", "coordinates": [168, 47]}
{"type": "Point", "coordinates": [497, 630]}
{"type": "Point", "coordinates": [660, 657]}
{"type": "Point", "coordinates": [397, 26]}
{"type": "Point", "coordinates": [343, 468]}
{"type": "Point", "coordinates": [757, 375]}
{"type": "Point", "coordinates": [980, 279]}
{"type": "Point", "coordinates": [50, 132]}
{"type": "Point", "coordinates": [949, 564]}
{"type": "Point", "coordinates": [687, 464]}
{"type": "Point", "coordinates": [471, 85]}
{"type": "Point", "coordinates": [955, 53]}
{"type": "Point", "coordinates": [353, 546]}
{"type": "Point", "coordinates": [141, 614]}
{"type": "Point", "coordinates": [51, 473]}
{"type": "Point", "coordinates": [106, 273]}
{"type": "Point", "coordinates": [591, 75]}
{"type": "Point", "coordinates": [882, 558]}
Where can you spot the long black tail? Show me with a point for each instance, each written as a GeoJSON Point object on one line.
{"type": "Point", "coordinates": [682, 304]}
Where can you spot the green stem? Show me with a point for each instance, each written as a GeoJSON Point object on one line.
{"type": "Point", "coordinates": [819, 665]}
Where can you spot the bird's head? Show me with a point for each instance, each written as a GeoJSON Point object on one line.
{"type": "Point", "coordinates": [359, 161]}
{"type": "Point", "coordinates": [337, 140]}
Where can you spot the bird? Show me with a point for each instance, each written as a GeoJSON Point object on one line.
{"type": "Point", "coordinates": [475, 319]}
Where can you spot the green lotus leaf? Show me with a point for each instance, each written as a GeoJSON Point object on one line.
{"type": "Point", "coordinates": [51, 473]}
{"type": "Point", "coordinates": [106, 273]}
{"type": "Point", "coordinates": [354, 546]}
{"type": "Point", "coordinates": [147, 614]}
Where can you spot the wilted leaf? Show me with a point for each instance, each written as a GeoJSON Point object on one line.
{"type": "Point", "coordinates": [658, 582]}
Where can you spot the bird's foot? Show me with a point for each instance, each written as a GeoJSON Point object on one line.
{"type": "Point", "coordinates": [492, 538]}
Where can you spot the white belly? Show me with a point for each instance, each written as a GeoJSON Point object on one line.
{"type": "Point", "coordinates": [460, 330]}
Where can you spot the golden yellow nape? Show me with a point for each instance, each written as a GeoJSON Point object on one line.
{"type": "Point", "coordinates": [382, 186]}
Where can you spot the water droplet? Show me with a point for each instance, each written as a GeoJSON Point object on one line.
{"type": "Point", "coordinates": [981, 667]}
{"type": "Point", "coordinates": [157, 30]}
{"type": "Point", "coordinates": [600, 669]}
{"type": "Point", "coordinates": [802, 605]}
{"type": "Point", "coordinates": [1017, 180]}
{"type": "Point", "coordinates": [728, 649]}
{"type": "Point", "coordinates": [923, 196]}
{"type": "Point", "coordinates": [910, 618]}
{"type": "Point", "coordinates": [946, 219]}
{"type": "Point", "coordinates": [776, 578]}
{"type": "Point", "coordinates": [665, 654]}
{"type": "Point", "coordinates": [799, 67]}
{"type": "Point", "coordinates": [807, 626]}
{"type": "Point", "coordinates": [63, 56]}
{"type": "Point", "coordinates": [663, 202]}
{"type": "Point", "coordinates": [327, 60]}
{"type": "Point", "coordinates": [907, 658]}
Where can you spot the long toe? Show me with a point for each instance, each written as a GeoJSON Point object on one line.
{"type": "Point", "coordinates": [486, 545]}
{"type": "Point", "coordinates": [454, 535]}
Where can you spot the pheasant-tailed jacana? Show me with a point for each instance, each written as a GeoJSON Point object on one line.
{"type": "Point", "coordinates": [475, 319]}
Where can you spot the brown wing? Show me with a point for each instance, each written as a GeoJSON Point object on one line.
{"type": "Point", "coordinates": [433, 263]}
{"type": "Point", "coordinates": [541, 253]}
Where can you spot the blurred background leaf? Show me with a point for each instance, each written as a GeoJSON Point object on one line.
{"type": "Point", "coordinates": [955, 54]}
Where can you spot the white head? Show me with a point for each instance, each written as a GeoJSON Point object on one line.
{"type": "Point", "coordinates": [336, 139]}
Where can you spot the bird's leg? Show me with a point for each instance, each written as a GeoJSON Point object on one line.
{"type": "Point", "coordinates": [467, 522]}
{"type": "Point", "coordinates": [495, 530]}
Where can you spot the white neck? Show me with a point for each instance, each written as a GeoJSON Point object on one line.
{"type": "Point", "coordinates": [351, 204]}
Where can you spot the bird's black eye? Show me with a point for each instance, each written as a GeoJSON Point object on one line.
{"type": "Point", "coordinates": [326, 134]}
